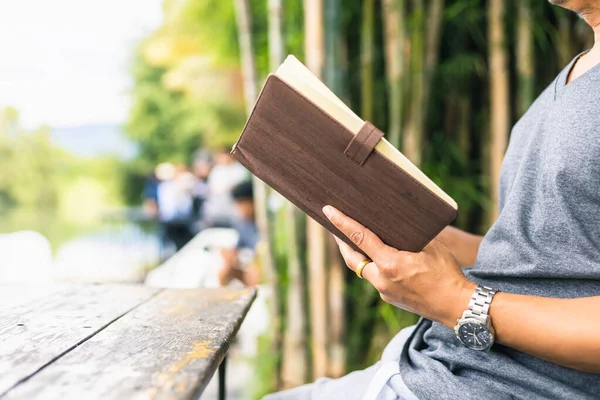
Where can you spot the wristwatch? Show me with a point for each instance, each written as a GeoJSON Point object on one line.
{"type": "Point", "coordinates": [474, 328]}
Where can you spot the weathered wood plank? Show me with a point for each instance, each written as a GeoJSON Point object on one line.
{"type": "Point", "coordinates": [35, 332]}
{"type": "Point", "coordinates": [168, 348]}
{"type": "Point", "coordinates": [12, 294]}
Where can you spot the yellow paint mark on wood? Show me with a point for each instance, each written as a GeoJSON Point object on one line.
{"type": "Point", "coordinates": [200, 350]}
{"type": "Point", "coordinates": [234, 295]}
{"type": "Point", "coordinates": [165, 380]}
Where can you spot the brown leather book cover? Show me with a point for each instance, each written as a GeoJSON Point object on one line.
{"type": "Point", "coordinates": [312, 160]}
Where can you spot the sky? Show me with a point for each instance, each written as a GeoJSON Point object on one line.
{"type": "Point", "coordinates": [66, 63]}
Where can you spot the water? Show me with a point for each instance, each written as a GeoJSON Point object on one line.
{"type": "Point", "coordinates": [46, 248]}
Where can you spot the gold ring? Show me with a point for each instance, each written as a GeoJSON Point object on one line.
{"type": "Point", "coordinates": [361, 266]}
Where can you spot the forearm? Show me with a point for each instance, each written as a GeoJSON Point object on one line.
{"type": "Point", "coordinates": [464, 246]}
{"type": "Point", "coordinates": [561, 331]}
{"type": "Point", "coordinates": [248, 277]}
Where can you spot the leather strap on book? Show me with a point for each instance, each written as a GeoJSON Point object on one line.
{"type": "Point", "coordinates": [363, 143]}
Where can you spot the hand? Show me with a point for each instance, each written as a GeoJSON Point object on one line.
{"type": "Point", "coordinates": [429, 283]}
{"type": "Point", "coordinates": [227, 271]}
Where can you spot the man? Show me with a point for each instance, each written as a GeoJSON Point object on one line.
{"type": "Point", "coordinates": [175, 203]}
{"type": "Point", "coordinates": [237, 263]}
{"type": "Point", "coordinates": [541, 329]}
{"type": "Point", "coordinates": [225, 174]}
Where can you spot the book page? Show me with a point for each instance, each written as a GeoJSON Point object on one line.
{"type": "Point", "coordinates": [294, 73]}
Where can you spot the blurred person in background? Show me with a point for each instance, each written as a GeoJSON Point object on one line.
{"type": "Point", "coordinates": [201, 166]}
{"type": "Point", "coordinates": [150, 196]}
{"type": "Point", "coordinates": [224, 176]}
{"type": "Point", "coordinates": [174, 195]}
{"type": "Point", "coordinates": [238, 263]}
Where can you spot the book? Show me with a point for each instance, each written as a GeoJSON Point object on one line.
{"type": "Point", "coordinates": [303, 141]}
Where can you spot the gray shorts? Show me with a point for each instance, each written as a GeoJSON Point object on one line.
{"type": "Point", "coordinates": [378, 382]}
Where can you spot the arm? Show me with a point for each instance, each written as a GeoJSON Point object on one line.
{"type": "Point", "coordinates": [463, 245]}
{"type": "Point", "coordinates": [431, 284]}
{"type": "Point", "coordinates": [231, 270]}
{"type": "Point", "coordinates": [562, 331]}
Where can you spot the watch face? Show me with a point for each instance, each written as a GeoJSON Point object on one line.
{"type": "Point", "coordinates": [475, 335]}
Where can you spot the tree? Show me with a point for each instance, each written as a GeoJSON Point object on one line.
{"type": "Point", "coordinates": [33, 170]}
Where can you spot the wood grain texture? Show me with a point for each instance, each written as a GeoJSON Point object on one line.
{"type": "Point", "coordinates": [301, 155]}
{"type": "Point", "coordinates": [40, 328]}
{"type": "Point", "coordinates": [12, 295]}
{"type": "Point", "coordinates": [167, 348]}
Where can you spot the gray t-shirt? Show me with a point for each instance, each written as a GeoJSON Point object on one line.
{"type": "Point", "coordinates": [546, 242]}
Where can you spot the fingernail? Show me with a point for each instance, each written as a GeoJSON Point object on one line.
{"type": "Point", "coordinates": [328, 211]}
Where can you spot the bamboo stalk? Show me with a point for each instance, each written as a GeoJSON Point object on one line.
{"type": "Point", "coordinates": [337, 351]}
{"type": "Point", "coordinates": [294, 369]}
{"type": "Point", "coordinates": [393, 18]}
{"type": "Point", "coordinates": [276, 45]}
{"type": "Point", "coordinates": [366, 51]}
{"type": "Point", "coordinates": [563, 37]}
{"type": "Point", "coordinates": [463, 128]}
{"type": "Point", "coordinates": [413, 134]}
{"type": "Point", "coordinates": [332, 78]}
{"type": "Point", "coordinates": [525, 57]}
{"type": "Point", "coordinates": [264, 247]}
{"type": "Point", "coordinates": [276, 54]}
{"type": "Point", "coordinates": [313, 32]}
{"type": "Point", "coordinates": [316, 235]}
{"type": "Point", "coordinates": [244, 24]}
{"type": "Point", "coordinates": [432, 51]}
{"type": "Point", "coordinates": [499, 96]}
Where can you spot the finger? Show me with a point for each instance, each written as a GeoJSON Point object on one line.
{"type": "Point", "coordinates": [353, 258]}
{"type": "Point", "coordinates": [363, 238]}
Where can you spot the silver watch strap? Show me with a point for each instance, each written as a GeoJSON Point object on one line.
{"type": "Point", "coordinates": [479, 305]}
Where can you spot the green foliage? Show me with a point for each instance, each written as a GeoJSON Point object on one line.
{"type": "Point", "coordinates": [264, 367]}
{"type": "Point", "coordinates": [160, 120]}
{"type": "Point", "coordinates": [213, 23]}
{"type": "Point", "coordinates": [170, 125]}
{"type": "Point", "coordinates": [33, 170]}
{"type": "Point", "coordinates": [449, 167]}
{"type": "Point", "coordinates": [43, 188]}
{"type": "Point", "coordinates": [293, 27]}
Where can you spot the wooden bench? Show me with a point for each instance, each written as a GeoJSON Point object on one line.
{"type": "Point", "coordinates": [114, 341]}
